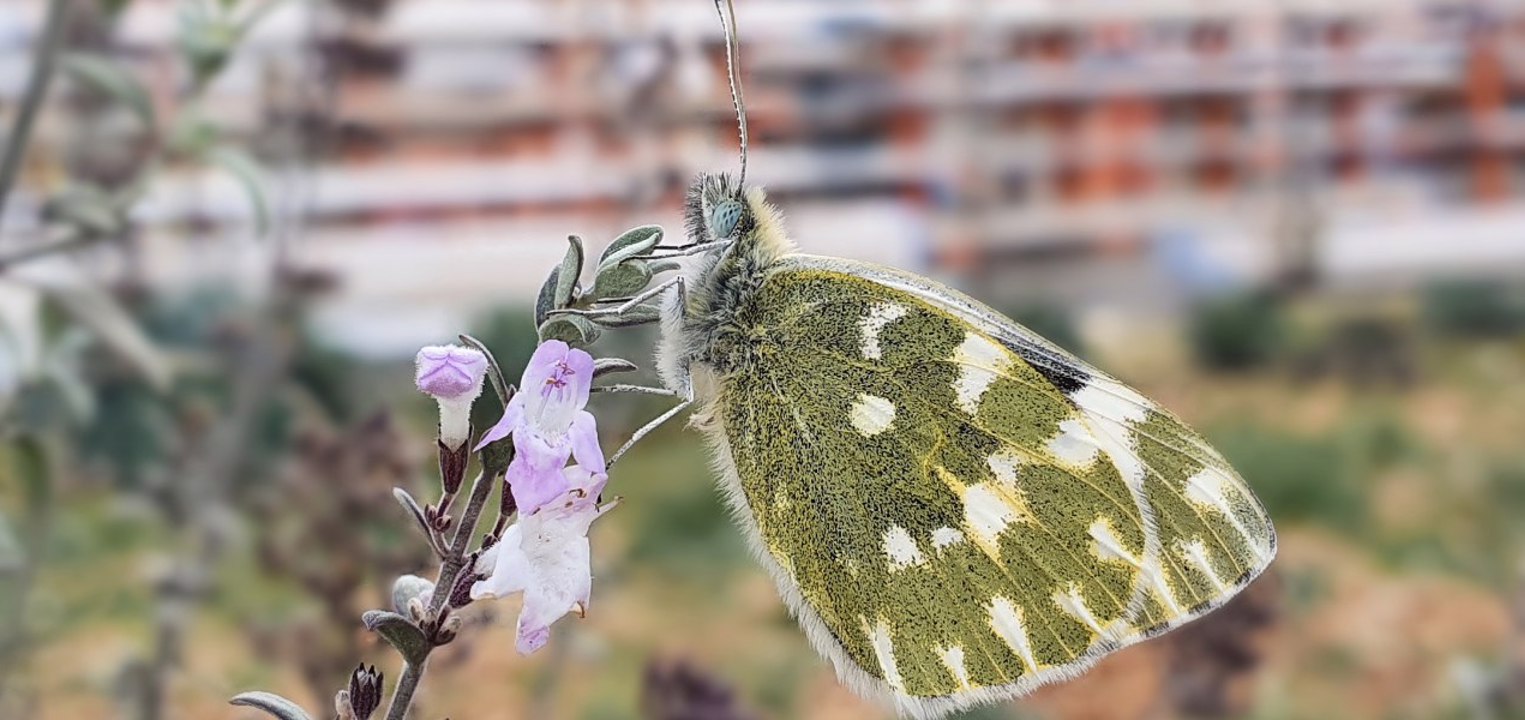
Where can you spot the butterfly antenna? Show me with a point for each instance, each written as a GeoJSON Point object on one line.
{"type": "Point", "coordinates": [727, 11]}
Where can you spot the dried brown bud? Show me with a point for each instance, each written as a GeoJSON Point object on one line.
{"type": "Point", "coordinates": [450, 628]}
{"type": "Point", "coordinates": [364, 691]}
{"type": "Point", "coordinates": [439, 517]}
{"type": "Point", "coordinates": [460, 593]}
{"type": "Point", "coordinates": [452, 465]}
{"type": "Point", "coordinates": [342, 709]}
{"type": "Point", "coordinates": [416, 610]}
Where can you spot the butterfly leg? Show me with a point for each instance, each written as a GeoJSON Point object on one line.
{"type": "Point", "coordinates": [638, 389]}
{"type": "Point", "coordinates": [677, 251]}
{"type": "Point", "coordinates": [628, 304]}
{"type": "Point", "coordinates": [648, 427]}
{"type": "Point", "coordinates": [684, 390]}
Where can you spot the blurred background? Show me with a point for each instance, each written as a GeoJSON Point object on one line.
{"type": "Point", "coordinates": [1300, 224]}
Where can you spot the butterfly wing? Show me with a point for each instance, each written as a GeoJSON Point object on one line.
{"type": "Point", "coordinates": [957, 510]}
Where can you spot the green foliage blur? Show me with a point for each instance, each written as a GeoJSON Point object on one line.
{"type": "Point", "coordinates": [1240, 331]}
{"type": "Point", "coordinates": [1474, 308]}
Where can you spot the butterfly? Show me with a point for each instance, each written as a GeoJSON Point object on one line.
{"type": "Point", "coordinates": [956, 510]}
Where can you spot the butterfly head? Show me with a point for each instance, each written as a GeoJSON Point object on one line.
{"type": "Point", "coordinates": [717, 209]}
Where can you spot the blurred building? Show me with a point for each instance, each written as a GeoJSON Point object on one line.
{"type": "Point", "coordinates": [1079, 151]}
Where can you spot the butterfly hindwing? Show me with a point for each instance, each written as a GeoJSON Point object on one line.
{"type": "Point", "coordinates": [957, 510]}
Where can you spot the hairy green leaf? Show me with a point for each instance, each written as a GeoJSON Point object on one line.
{"type": "Point", "coordinates": [545, 301]}
{"type": "Point", "coordinates": [633, 242]}
{"type": "Point", "coordinates": [626, 278]}
{"type": "Point", "coordinates": [271, 703]}
{"type": "Point", "coordinates": [112, 79]}
{"type": "Point", "coordinates": [661, 266]}
{"type": "Point", "coordinates": [638, 315]}
{"type": "Point", "coordinates": [399, 633]}
{"type": "Point", "coordinates": [247, 171]}
{"type": "Point", "coordinates": [411, 505]}
{"type": "Point", "coordinates": [574, 330]}
{"type": "Point", "coordinates": [111, 323]}
{"type": "Point", "coordinates": [608, 365]}
{"type": "Point", "coordinates": [571, 269]}
{"type": "Point", "coordinates": [494, 371]}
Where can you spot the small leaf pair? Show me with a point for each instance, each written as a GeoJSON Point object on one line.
{"type": "Point", "coordinates": [559, 292]}
{"type": "Point", "coordinates": [621, 271]}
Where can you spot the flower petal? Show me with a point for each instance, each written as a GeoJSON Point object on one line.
{"type": "Point", "coordinates": [546, 555]}
{"type": "Point", "coordinates": [488, 559]}
{"type": "Point", "coordinates": [547, 356]}
{"type": "Point", "coordinates": [513, 417]}
{"type": "Point", "coordinates": [585, 448]}
{"type": "Point", "coordinates": [579, 376]}
{"type": "Point", "coordinates": [533, 490]}
{"type": "Point", "coordinates": [590, 484]}
{"type": "Point", "coordinates": [535, 475]}
{"type": "Point", "coordinates": [540, 377]}
{"type": "Point", "coordinates": [557, 381]}
{"type": "Point", "coordinates": [562, 573]}
{"type": "Point", "coordinates": [510, 566]}
{"type": "Point", "coordinates": [580, 503]}
{"type": "Point", "coordinates": [450, 371]}
{"type": "Point", "coordinates": [532, 638]}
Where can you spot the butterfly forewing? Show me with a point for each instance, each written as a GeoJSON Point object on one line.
{"type": "Point", "coordinates": [958, 510]}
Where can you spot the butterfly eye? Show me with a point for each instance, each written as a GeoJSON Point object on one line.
{"type": "Point", "coordinates": [724, 218]}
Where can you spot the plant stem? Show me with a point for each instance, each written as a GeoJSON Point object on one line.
{"type": "Point", "coordinates": [450, 569]}
{"type": "Point", "coordinates": [70, 241]}
{"type": "Point", "coordinates": [36, 89]}
{"type": "Point", "coordinates": [202, 486]}
{"type": "Point", "coordinates": [455, 560]}
{"type": "Point", "coordinates": [406, 686]}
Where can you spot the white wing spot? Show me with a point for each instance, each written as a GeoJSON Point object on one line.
{"type": "Point", "coordinates": [1074, 444]}
{"type": "Point", "coordinates": [1155, 574]}
{"type": "Point", "coordinates": [945, 537]}
{"type": "Point", "coordinates": [1114, 439]}
{"type": "Point", "coordinates": [1006, 620]}
{"type": "Point", "coordinates": [874, 322]}
{"type": "Point", "coordinates": [901, 549]}
{"type": "Point", "coordinates": [872, 414]}
{"type": "Point", "coordinates": [1004, 464]}
{"type": "Point", "coordinates": [1070, 601]}
{"type": "Point", "coordinates": [980, 362]}
{"type": "Point", "coordinates": [987, 514]}
{"type": "Point", "coordinates": [884, 651]}
{"type": "Point", "coordinates": [1110, 407]}
{"type": "Point", "coordinates": [953, 657]}
{"type": "Point", "coordinates": [1195, 552]}
{"type": "Point", "coordinates": [1113, 400]}
{"type": "Point", "coordinates": [1107, 546]}
{"type": "Point", "coordinates": [1208, 490]}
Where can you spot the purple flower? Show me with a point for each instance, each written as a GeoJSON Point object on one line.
{"type": "Point", "coordinates": [549, 425]}
{"type": "Point", "coordinates": [453, 376]}
{"type": "Point", "coordinates": [545, 555]}
{"type": "Point", "coordinates": [450, 371]}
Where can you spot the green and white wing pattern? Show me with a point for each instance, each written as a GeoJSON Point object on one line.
{"type": "Point", "coordinates": [956, 510]}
